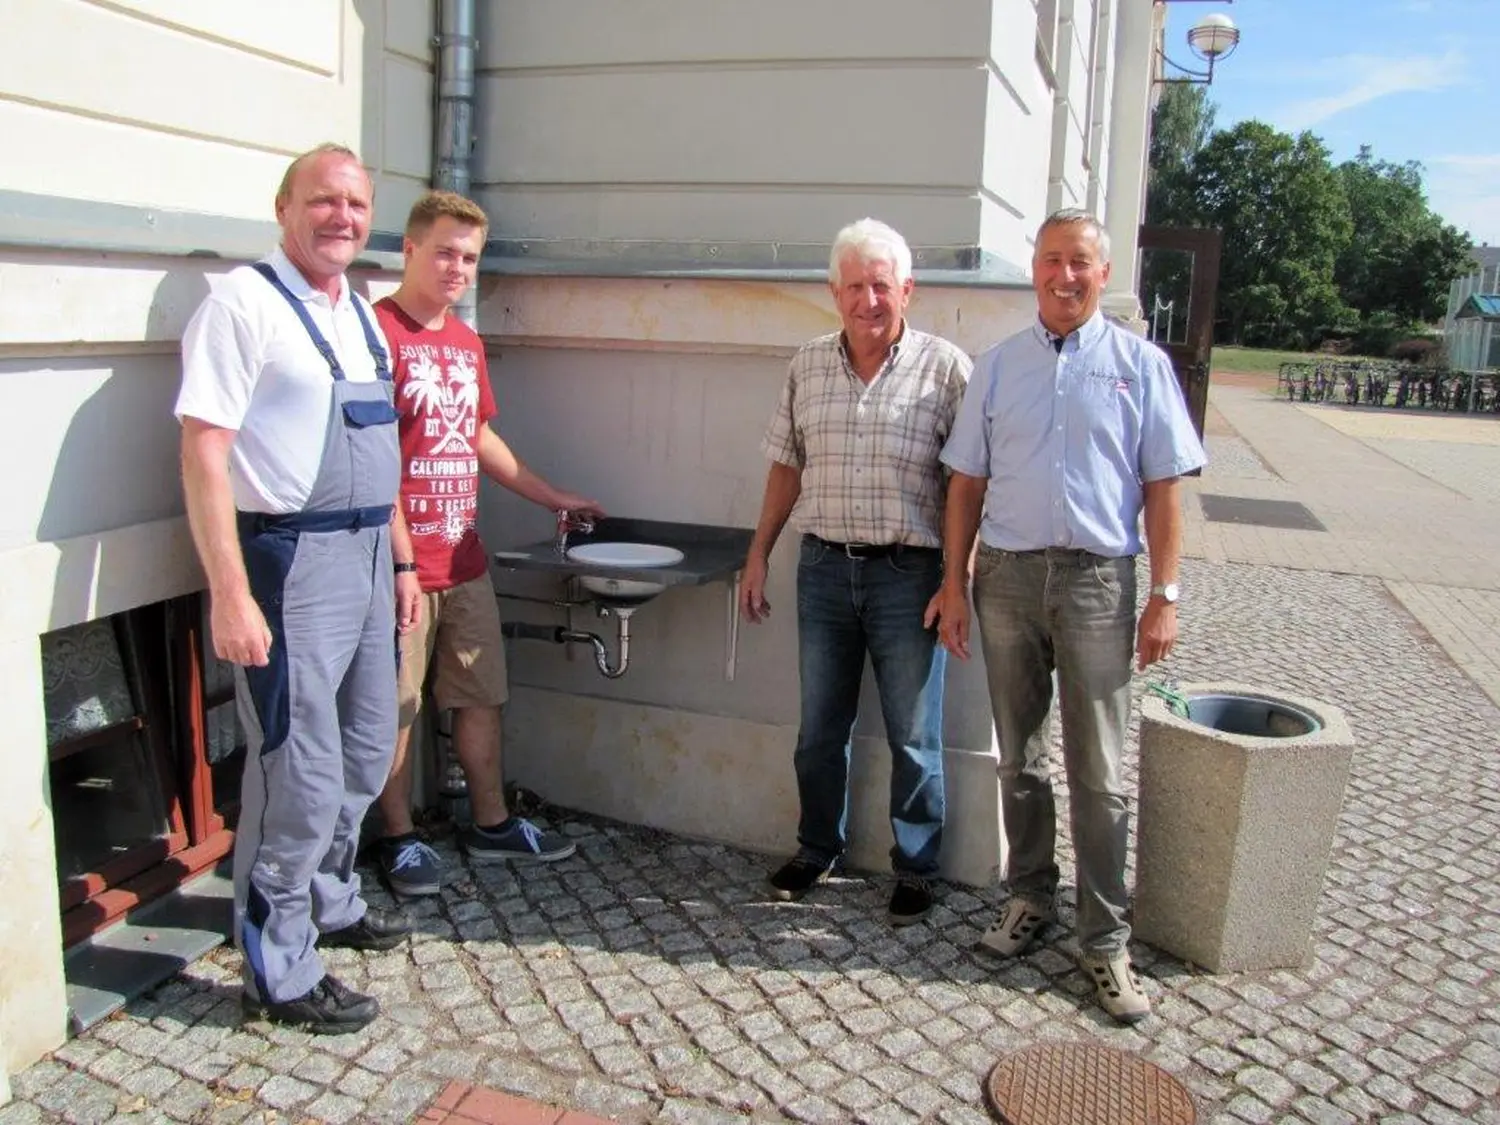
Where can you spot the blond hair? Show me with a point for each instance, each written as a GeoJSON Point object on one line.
{"type": "Point", "coordinates": [327, 148]}
{"type": "Point", "coordinates": [435, 205]}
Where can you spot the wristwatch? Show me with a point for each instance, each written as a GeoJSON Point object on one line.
{"type": "Point", "coordinates": [1168, 592]}
{"type": "Point", "coordinates": [411, 568]}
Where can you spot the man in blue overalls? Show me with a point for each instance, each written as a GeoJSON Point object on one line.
{"type": "Point", "coordinates": [291, 469]}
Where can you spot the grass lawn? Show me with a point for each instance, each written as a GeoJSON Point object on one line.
{"type": "Point", "coordinates": [1256, 361]}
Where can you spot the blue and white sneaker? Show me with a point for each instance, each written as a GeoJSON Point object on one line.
{"type": "Point", "coordinates": [517, 839]}
{"type": "Point", "coordinates": [409, 866]}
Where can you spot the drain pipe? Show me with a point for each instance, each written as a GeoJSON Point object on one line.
{"type": "Point", "coordinates": [556, 634]}
{"type": "Point", "coordinates": [453, 114]}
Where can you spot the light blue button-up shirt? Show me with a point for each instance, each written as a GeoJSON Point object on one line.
{"type": "Point", "coordinates": [1068, 439]}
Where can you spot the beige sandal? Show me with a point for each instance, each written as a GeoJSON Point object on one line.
{"type": "Point", "coordinates": [1019, 924]}
{"type": "Point", "coordinates": [1117, 988]}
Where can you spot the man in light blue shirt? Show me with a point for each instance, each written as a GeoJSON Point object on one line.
{"type": "Point", "coordinates": [1068, 433]}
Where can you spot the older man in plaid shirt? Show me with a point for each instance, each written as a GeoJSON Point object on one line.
{"type": "Point", "coordinates": [854, 445]}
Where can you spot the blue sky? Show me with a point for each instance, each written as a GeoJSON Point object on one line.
{"type": "Point", "coordinates": [1415, 79]}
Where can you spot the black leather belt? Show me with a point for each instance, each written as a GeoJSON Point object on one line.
{"type": "Point", "coordinates": [872, 550]}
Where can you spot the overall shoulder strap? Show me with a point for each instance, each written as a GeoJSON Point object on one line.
{"type": "Point", "coordinates": [325, 349]}
{"type": "Point", "coordinates": [372, 341]}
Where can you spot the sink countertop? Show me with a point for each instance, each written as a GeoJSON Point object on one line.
{"type": "Point", "coordinates": [710, 553]}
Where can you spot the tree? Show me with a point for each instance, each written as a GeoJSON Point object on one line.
{"type": "Point", "coordinates": [1405, 256]}
{"type": "Point", "coordinates": [1181, 125]}
{"type": "Point", "coordinates": [1285, 220]}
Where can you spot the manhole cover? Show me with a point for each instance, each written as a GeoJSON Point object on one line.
{"type": "Point", "coordinates": [1082, 1084]}
{"type": "Point", "coordinates": [1259, 513]}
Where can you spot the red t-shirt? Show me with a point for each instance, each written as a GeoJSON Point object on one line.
{"type": "Point", "coordinates": [443, 395]}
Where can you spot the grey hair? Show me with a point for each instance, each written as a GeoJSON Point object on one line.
{"type": "Point", "coordinates": [871, 241]}
{"type": "Point", "coordinates": [1075, 216]}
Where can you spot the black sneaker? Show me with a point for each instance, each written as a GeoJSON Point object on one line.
{"type": "Point", "coordinates": [799, 875]}
{"type": "Point", "coordinates": [911, 901]}
{"type": "Point", "coordinates": [329, 1008]}
{"type": "Point", "coordinates": [378, 929]}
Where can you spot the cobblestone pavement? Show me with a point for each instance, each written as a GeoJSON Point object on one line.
{"type": "Point", "coordinates": [647, 979]}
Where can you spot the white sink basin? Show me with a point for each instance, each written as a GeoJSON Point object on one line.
{"type": "Point", "coordinates": [628, 556]}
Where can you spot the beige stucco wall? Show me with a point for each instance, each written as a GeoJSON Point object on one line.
{"type": "Point", "coordinates": [776, 122]}
{"type": "Point", "coordinates": [188, 106]}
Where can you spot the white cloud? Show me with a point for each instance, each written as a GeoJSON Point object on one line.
{"type": "Point", "coordinates": [1364, 78]}
{"type": "Point", "coordinates": [1465, 190]}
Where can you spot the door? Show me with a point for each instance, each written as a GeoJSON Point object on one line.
{"type": "Point", "coordinates": [1179, 281]}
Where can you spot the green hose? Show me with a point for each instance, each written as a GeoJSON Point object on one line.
{"type": "Point", "coordinates": [1175, 699]}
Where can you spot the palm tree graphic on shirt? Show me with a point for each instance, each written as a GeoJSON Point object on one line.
{"type": "Point", "coordinates": [453, 397]}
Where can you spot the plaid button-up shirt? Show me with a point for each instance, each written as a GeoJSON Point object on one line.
{"type": "Point", "coordinates": [869, 454]}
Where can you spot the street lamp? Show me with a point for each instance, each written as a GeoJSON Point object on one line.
{"type": "Point", "coordinates": [1212, 38]}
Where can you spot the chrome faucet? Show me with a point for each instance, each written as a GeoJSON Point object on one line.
{"type": "Point", "coordinates": [568, 522]}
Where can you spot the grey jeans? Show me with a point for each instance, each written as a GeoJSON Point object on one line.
{"type": "Point", "coordinates": [1073, 612]}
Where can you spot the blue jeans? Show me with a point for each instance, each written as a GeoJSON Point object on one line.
{"type": "Point", "coordinates": [1072, 612]}
{"type": "Point", "coordinates": [845, 608]}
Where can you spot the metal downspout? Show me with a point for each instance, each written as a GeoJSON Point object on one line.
{"type": "Point", "coordinates": [453, 114]}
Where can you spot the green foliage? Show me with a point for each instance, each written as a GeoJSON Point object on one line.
{"type": "Point", "coordinates": [1180, 127]}
{"type": "Point", "coordinates": [1405, 256]}
{"type": "Point", "coordinates": [1380, 332]}
{"type": "Point", "coordinates": [1311, 250]}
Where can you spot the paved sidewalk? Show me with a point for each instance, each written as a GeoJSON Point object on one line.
{"type": "Point", "coordinates": [647, 979]}
{"type": "Point", "coordinates": [1412, 498]}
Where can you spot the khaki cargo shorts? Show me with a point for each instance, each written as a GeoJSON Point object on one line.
{"type": "Point", "coordinates": [456, 651]}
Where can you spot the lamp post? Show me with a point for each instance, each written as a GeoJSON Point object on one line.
{"type": "Point", "coordinates": [1212, 38]}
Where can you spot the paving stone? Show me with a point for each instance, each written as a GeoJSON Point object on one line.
{"type": "Point", "coordinates": [888, 1114]}
{"type": "Point", "coordinates": [1447, 1091]}
{"type": "Point", "coordinates": [186, 1101]}
{"type": "Point", "coordinates": [1247, 1107]}
{"type": "Point", "coordinates": [335, 1109]}
{"type": "Point", "coordinates": [1267, 1085]}
{"type": "Point", "coordinates": [675, 1112]}
{"type": "Point", "coordinates": [402, 1101]}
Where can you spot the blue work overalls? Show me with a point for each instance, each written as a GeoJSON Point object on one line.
{"type": "Point", "coordinates": [321, 716]}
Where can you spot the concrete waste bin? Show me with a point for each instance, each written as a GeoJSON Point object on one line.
{"type": "Point", "coordinates": [1239, 801]}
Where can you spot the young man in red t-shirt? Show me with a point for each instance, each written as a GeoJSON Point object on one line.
{"type": "Point", "coordinates": [443, 395]}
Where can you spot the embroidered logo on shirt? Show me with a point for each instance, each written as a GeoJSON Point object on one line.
{"type": "Point", "coordinates": [1121, 381]}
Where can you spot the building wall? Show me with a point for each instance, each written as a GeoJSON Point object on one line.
{"type": "Point", "coordinates": [716, 121]}
{"type": "Point", "coordinates": [1469, 341]}
{"type": "Point", "coordinates": [196, 107]}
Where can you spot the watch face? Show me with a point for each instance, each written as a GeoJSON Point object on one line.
{"type": "Point", "coordinates": [1170, 591]}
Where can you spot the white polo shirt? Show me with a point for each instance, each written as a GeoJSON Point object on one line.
{"type": "Point", "coordinates": [249, 365]}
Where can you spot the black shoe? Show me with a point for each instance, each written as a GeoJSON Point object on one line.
{"type": "Point", "coordinates": [378, 929]}
{"type": "Point", "coordinates": [328, 1009]}
{"type": "Point", "coordinates": [799, 875]}
{"type": "Point", "coordinates": [911, 901]}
